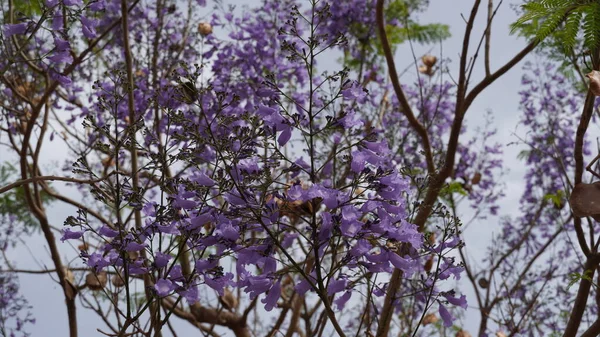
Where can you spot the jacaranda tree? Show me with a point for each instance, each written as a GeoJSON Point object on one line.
{"type": "Point", "coordinates": [225, 171]}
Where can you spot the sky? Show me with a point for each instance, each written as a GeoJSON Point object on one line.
{"type": "Point", "coordinates": [501, 98]}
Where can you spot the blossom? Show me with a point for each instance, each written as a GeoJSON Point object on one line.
{"type": "Point", "coordinates": [97, 5]}
{"type": "Point", "coordinates": [88, 27]}
{"type": "Point", "coordinates": [272, 296]}
{"type": "Point", "coordinates": [190, 294]}
{"type": "Point", "coordinates": [50, 3]}
{"type": "Point", "coordinates": [163, 287]}
{"type": "Point", "coordinates": [72, 2]}
{"type": "Point", "coordinates": [461, 302]}
{"type": "Point", "coordinates": [14, 29]}
{"type": "Point", "coordinates": [340, 302]}
{"type": "Point", "coordinates": [445, 315]}
{"type": "Point", "coordinates": [70, 235]}
{"type": "Point", "coordinates": [161, 260]}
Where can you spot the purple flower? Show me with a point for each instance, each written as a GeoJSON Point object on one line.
{"type": "Point", "coordinates": [272, 296]}
{"type": "Point", "coordinates": [51, 3]}
{"type": "Point", "coordinates": [461, 302]}
{"type": "Point", "coordinates": [161, 260]}
{"type": "Point", "coordinates": [445, 315]}
{"type": "Point", "coordinates": [335, 286]}
{"type": "Point", "coordinates": [88, 27]}
{"type": "Point", "coordinates": [70, 235]}
{"type": "Point", "coordinates": [97, 5]}
{"type": "Point", "coordinates": [108, 232]}
{"type": "Point", "coordinates": [257, 285]}
{"type": "Point", "coordinates": [134, 246]}
{"type": "Point", "coordinates": [61, 45]}
{"type": "Point", "coordinates": [228, 232]}
{"type": "Point", "coordinates": [340, 302]}
{"type": "Point", "coordinates": [72, 2]}
{"type": "Point", "coordinates": [14, 29]}
{"type": "Point", "coordinates": [285, 136]}
{"type": "Point", "coordinates": [190, 294]}
{"type": "Point", "coordinates": [203, 265]}
{"type": "Point", "coordinates": [203, 180]}
{"type": "Point", "coordinates": [163, 287]}
{"type": "Point", "coordinates": [219, 283]}
{"type": "Point", "coordinates": [97, 261]}
{"type": "Point", "coordinates": [355, 92]}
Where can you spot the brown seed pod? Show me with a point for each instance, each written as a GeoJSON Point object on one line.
{"type": "Point", "coordinates": [204, 28]}
{"type": "Point", "coordinates": [500, 334]}
{"type": "Point", "coordinates": [428, 264]}
{"type": "Point", "coordinates": [133, 255]}
{"type": "Point", "coordinates": [108, 162]}
{"type": "Point", "coordinates": [69, 275]}
{"type": "Point", "coordinates": [96, 281]}
{"type": "Point", "coordinates": [585, 200]}
{"type": "Point", "coordinates": [70, 287]}
{"type": "Point", "coordinates": [594, 77]}
{"type": "Point", "coordinates": [426, 70]}
{"type": "Point", "coordinates": [117, 281]}
{"type": "Point", "coordinates": [430, 319]}
{"type": "Point", "coordinates": [429, 60]}
{"type": "Point", "coordinates": [463, 333]}
{"type": "Point", "coordinates": [483, 283]}
{"type": "Point", "coordinates": [476, 178]}
{"type": "Point", "coordinates": [228, 300]}
{"type": "Point", "coordinates": [431, 238]}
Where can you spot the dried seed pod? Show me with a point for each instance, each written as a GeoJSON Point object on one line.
{"type": "Point", "coordinates": [426, 70]}
{"type": "Point", "coordinates": [428, 264]}
{"type": "Point", "coordinates": [84, 247]}
{"type": "Point", "coordinates": [585, 200]}
{"type": "Point", "coordinates": [96, 281]}
{"type": "Point", "coordinates": [431, 238]}
{"type": "Point", "coordinates": [117, 281]}
{"type": "Point", "coordinates": [476, 178]}
{"type": "Point", "coordinates": [228, 300]}
{"type": "Point", "coordinates": [500, 334]}
{"type": "Point", "coordinates": [69, 275]}
{"type": "Point", "coordinates": [204, 28]}
{"type": "Point", "coordinates": [108, 162]}
{"type": "Point", "coordinates": [463, 333]}
{"type": "Point", "coordinates": [483, 283]}
{"type": "Point", "coordinates": [70, 287]}
{"type": "Point", "coordinates": [594, 77]}
{"type": "Point", "coordinates": [430, 319]}
{"type": "Point", "coordinates": [429, 60]}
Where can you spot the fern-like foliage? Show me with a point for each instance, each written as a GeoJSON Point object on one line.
{"type": "Point", "coordinates": [562, 19]}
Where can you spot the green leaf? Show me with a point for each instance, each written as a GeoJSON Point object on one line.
{"type": "Point", "coordinates": [556, 199]}
{"type": "Point", "coordinates": [452, 188]}
{"type": "Point", "coordinates": [28, 7]}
